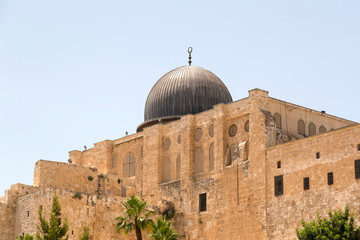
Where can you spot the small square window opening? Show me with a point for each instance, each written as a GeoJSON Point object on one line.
{"type": "Point", "coordinates": [278, 185]}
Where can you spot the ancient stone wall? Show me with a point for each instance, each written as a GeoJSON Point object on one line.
{"type": "Point", "coordinates": [314, 157]}
{"type": "Point", "coordinates": [290, 114]}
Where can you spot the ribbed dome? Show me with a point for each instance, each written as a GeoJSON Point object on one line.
{"type": "Point", "coordinates": [184, 90]}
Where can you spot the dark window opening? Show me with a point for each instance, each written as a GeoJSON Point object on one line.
{"type": "Point", "coordinates": [72, 232]}
{"type": "Point", "coordinates": [202, 202]}
{"type": "Point", "coordinates": [358, 147]}
{"type": "Point", "coordinates": [279, 164]}
{"type": "Point", "coordinates": [357, 168]}
{"type": "Point", "coordinates": [118, 181]}
{"type": "Point", "coordinates": [330, 178]}
{"type": "Point", "coordinates": [306, 183]}
{"type": "Point", "coordinates": [318, 155]}
{"type": "Point", "coordinates": [28, 213]}
{"type": "Point", "coordinates": [279, 185]}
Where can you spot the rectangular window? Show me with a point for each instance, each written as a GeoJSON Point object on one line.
{"type": "Point", "coordinates": [318, 155]}
{"type": "Point", "coordinates": [330, 178]}
{"type": "Point", "coordinates": [279, 185]}
{"type": "Point", "coordinates": [202, 202]}
{"type": "Point", "coordinates": [306, 183]}
{"type": "Point", "coordinates": [358, 147]}
{"type": "Point", "coordinates": [279, 164]}
{"type": "Point", "coordinates": [357, 168]}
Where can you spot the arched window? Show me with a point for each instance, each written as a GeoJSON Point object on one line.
{"type": "Point", "coordinates": [211, 157]}
{"type": "Point", "coordinates": [129, 165]}
{"type": "Point", "coordinates": [198, 161]}
{"type": "Point", "coordinates": [322, 129]}
{"type": "Point", "coordinates": [114, 162]}
{"type": "Point", "coordinates": [301, 127]}
{"type": "Point", "coordinates": [312, 129]}
{"type": "Point", "coordinates": [277, 118]}
{"type": "Point", "coordinates": [166, 170]}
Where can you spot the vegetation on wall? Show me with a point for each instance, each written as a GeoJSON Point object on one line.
{"type": "Point", "coordinates": [340, 225]}
{"type": "Point", "coordinates": [53, 229]}
{"type": "Point", "coordinates": [26, 237]}
{"type": "Point", "coordinates": [86, 234]}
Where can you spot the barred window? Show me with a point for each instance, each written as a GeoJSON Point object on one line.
{"type": "Point", "coordinates": [306, 183]}
{"type": "Point", "coordinates": [202, 202]}
{"type": "Point", "coordinates": [279, 185]}
{"type": "Point", "coordinates": [357, 168]}
{"type": "Point", "coordinates": [330, 178]}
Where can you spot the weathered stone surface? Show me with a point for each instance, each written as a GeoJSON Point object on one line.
{"type": "Point", "coordinates": [236, 170]}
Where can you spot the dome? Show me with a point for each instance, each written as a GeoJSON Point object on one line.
{"type": "Point", "coordinates": [184, 90]}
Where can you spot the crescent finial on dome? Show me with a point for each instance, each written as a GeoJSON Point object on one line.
{"type": "Point", "coordinates": [190, 51]}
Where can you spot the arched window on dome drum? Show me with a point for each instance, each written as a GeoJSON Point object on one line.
{"type": "Point", "coordinates": [198, 161]}
{"type": "Point", "coordinates": [166, 170]}
{"type": "Point", "coordinates": [301, 127]}
{"type": "Point", "coordinates": [277, 118]}
{"type": "Point", "coordinates": [211, 157]}
{"type": "Point", "coordinates": [129, 165]}
{"type": "Point", "coordinates": [322, 129]}
{"type": "Point", "coordinates": [312, 129]}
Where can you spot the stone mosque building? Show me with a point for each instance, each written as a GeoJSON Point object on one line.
{"type": "Point", "coordinates": [244, 169]}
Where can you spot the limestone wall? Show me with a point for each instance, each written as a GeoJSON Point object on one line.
{"type": "Point", "coordinates": [337, 152]}
{"type": "Point", "coordinates": [94, 211]}
{"type": "Point", "coordinates": [65, 176]}
{"type": "Point", "coordinates": [291, 114]}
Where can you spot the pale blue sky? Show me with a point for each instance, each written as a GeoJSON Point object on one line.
{"type": "Point", "coordinates": [73, 73]}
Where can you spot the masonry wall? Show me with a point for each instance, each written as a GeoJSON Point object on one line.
{"type": "Point", "coordinates": [224, 153]}
{"type": "Point", "coordinates": [291, 114]}
{"type": "Point", "coordinates": [94, 211]}
{"type": "Point", "coordinates": [338, 150]}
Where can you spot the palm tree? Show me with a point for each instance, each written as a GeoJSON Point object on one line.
{"type": "Point", "coordinates": [162, 230]}
{"type": "Point", "coordinates": [135, 217]}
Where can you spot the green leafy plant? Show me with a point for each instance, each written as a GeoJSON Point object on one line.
{"type": "Point", "coordinates": [162, 230]}
{"type": "Point", "coordinates": [340, 225]}
{"type": "Point", "coordinates": [77, 195]}
{"type": "Point", "coordinates": [52, 229]}
{"type": "Point", "coordinates": [86, 234]}
{"type": "Point", "coordinates": [26, 237]}
{"type": "Point", "coordinates": [135, 217]}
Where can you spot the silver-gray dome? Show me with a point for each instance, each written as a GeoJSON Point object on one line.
{"type": "Point", "coordinates": [184, 90]}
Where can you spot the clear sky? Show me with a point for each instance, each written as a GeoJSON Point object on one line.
{"type": "Point", "coordinates": [73, 73]}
